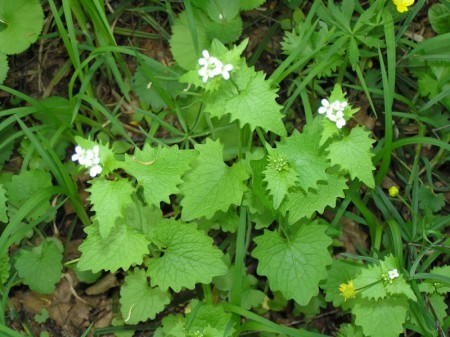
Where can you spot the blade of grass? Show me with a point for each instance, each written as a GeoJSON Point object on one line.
{"type": "Point", "coordinates": [281, 329]}
{"type": "Point", "coordinates": [192, 25]}
{"type": "Point", "coordinates": [59, 172]}
{"type": "Point", "coordinates": [388, 78]}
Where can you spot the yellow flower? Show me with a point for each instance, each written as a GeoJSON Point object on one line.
{"type": "Point", "coordinates": [347, 290]}
{"type": "Point", "coordinates": [402, 5]}
{"type": "Point", "coordinates": [393, 191]}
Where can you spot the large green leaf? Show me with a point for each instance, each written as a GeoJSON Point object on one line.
{"type": "Point", "coordinates": [382, 318]}
{"type": "Point", "coordinates": [158, 170]}
{"type": "Point", "coordinates": [123, 247]}
{"type": "Point", "coordinates": [294, 266]}
{"type": "Point", "coordinates": [211, 185]}
{"type": "Point", "coordinates": [189, 256]}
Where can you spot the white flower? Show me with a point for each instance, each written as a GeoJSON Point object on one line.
{"type": "Point", "coordinates": [212, 66]}
{"type": "Point", "coordinates": [392, 274]}
{"type": "Point", "coordinates": [88, 158]}
{"type": "Point", "coordinates": [94, 170]}
{"type": "Point", "coordinates": [326, 107]}
{"type": "Point", "coordinates": [226, 71]}
{"type": "Point", "coordinates": [334, 111]}
{"type": "Point", "coordinates": [340, 123]}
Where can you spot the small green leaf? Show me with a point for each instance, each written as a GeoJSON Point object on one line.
{"type": "Point", "coordinates": [370, 283]}
{"type": "Point", "coordinates": [308, 161]}
{"type": "Point", "coordinates": [140, 302]}
{"type": "Point", "coordinates": [294, 266]}
{"type": "Point", "coordinates": [211, 185]}
{"type": "Point", "coordinates": [182, 42]}
{"type": "Point", "coordinates": [171, 326]}
{"type": "Point", "coordinates": [158, 170]}
{"type": "Point", "coordinates": [222, 10]}
{"type": "Point", "coordinates": [226, 31]}
{"type": "Point", "coordinates": [24, 185]}
{"type": "Point", "coordinates": [435, 286]}
{"type": "Point", "coordinates": [280, 176]}
{"type": "Point", "coordinates": [151, 76]}
{"type": "Point", "coordinates": [23, 20]}
{"type": "Point", "coordinates": [353, 154]}
{"type": "Point", "coordinates": [300, 204]}
{"type": "Point", "coordinates": [382, 318]}
{"type": "Point", "coordinates": [439, 16]}
{"type": "Point", "coordinates": [246, 5]}
{"type": "Point", "coordinates": [109, 199]}
{"type": "Point", "coordinates": [123, 247]}
{"type": "Point", "coordinates": [348, 330]}
{"type": "Point", "coordinates": [252, 101]}
{"type": "Point", "coordinates": [208, 316]}
{"type": "Point", "coordinates": [189, 256]}
{"type": "Point", "coordinates": [430, 200]}
{"type": "Point", "coordinates": [41, 266]}
{"type": "Point", "coordinates": [42, 317]}
{"type": "Point", "coordinates": [340, 272]}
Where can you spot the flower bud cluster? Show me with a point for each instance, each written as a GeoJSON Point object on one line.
{"type": "Point", "coordinates": [334, 111]}
{"type": "Point", "coordinates": [89, 158]}
{"type": "Point", "coordinates": [212, 66]}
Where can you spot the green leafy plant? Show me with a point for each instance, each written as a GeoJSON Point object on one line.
{"type": "Point", "coordinates": [219, 193]}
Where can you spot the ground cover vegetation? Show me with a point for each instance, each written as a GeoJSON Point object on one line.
{"type": "Point", "coordinates": [224, 168]}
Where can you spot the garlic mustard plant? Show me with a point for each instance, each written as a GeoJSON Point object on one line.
{"type": "Point", "coordinates": [89, 158]}
{"type": "Point", "coordinates": [212, 67]}
{"type": "Point", "coordinates": [402, 5]}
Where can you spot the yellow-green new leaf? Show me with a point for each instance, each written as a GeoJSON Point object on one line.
{"type": "Point", "coordinates": [109, 199]}
{"type": "Point", "coordinates": [353, 154]}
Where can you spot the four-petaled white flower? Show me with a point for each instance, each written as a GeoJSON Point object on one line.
{"type": "Point", "coordinates": [89, 158]}
{"type": "Point", "coordinates": [212, 67]}
{"type": "Point", "coordinates": [392, 274]}
{"type": "Point", "coordinates": [226, 71]}
{"type": "Point", "coordinates": [334, 111]}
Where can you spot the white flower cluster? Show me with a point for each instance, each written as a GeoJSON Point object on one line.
{"type": "Point", "coordinates": [89, 158]}
{"type": "Point", "coordinates": [392, 274]}
{"type": "Point", "coordinates": [212, 66]}
{"type": "Point", "coordinates": [334, 111]}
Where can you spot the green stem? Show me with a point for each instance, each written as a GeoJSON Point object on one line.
{"type": "Point", "coordinates": [207, 294]}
